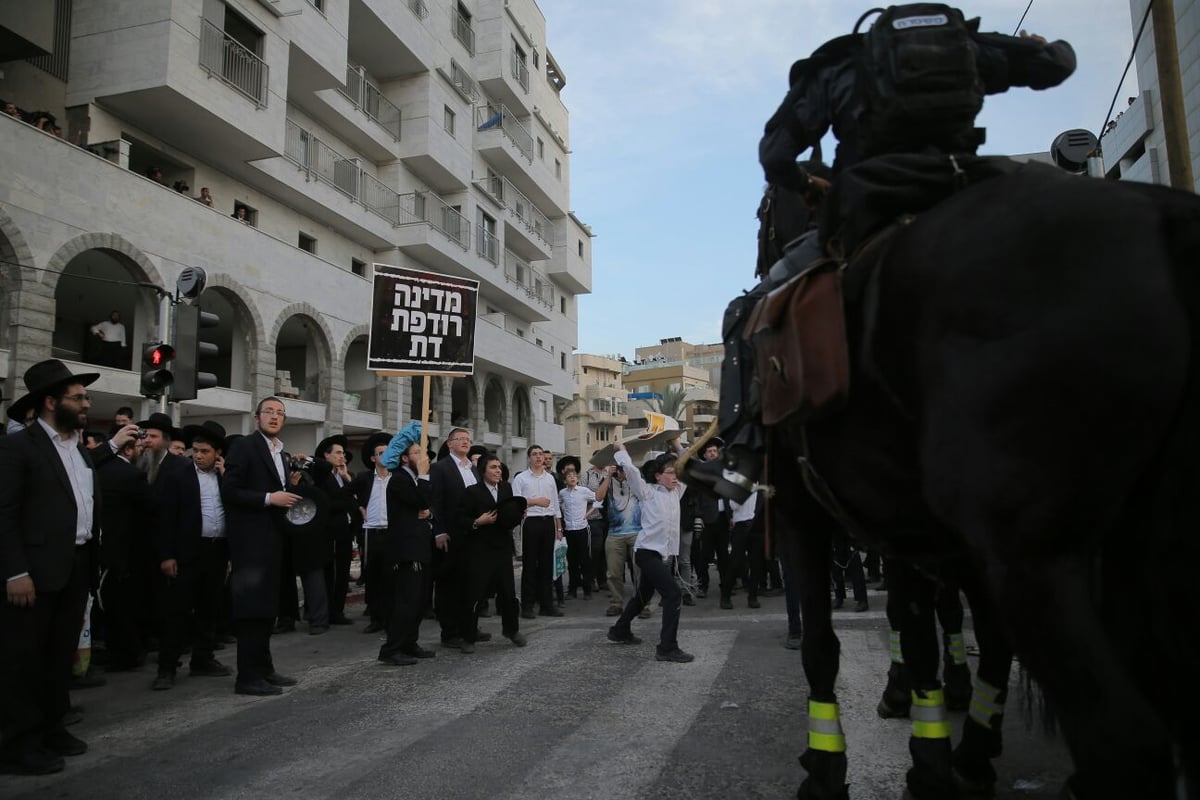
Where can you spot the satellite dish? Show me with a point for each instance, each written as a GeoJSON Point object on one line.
{"type": "Point", "coordinates": [1070, 150]}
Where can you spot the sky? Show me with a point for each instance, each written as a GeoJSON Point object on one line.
{"type": "Point", "coordinates": [667, 101]}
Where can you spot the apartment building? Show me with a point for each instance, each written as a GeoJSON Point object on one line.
{"type": "Point", "coordinates": [597, 415]}
{"type": "Point", "coordinates": [651, 381]}
{"type": "Point", "coordinates": [331, 135]}
{"type": "Point", "coordinates": [1135, 145]}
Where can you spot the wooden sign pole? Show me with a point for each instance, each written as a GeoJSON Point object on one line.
{"type": "Point", "coordinates": [425, 382]}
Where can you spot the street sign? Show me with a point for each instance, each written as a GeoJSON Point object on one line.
{"type": "Point", "coordinates": [422, 322]}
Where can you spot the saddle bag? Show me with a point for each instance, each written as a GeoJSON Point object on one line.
{"type": "Point", "coordinates": [798, 334]}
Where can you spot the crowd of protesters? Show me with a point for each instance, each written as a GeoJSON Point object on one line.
{"type": "Point", "coordinates": [171, 545]}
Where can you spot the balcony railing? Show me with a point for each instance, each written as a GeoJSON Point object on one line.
{"type": "Point", "coordinates": [460, 26]}
{"type": "Point", "coordinates": [496, 116]}
{"type": "Point", "coordinates": [488, 246]}
{"type": "Point", "coordinates": [229, 60]}
{"type": "Point", "coordinates": [427, 207]}
{"type": "Point", "coordinates": [520, 70]}
{"type": "Point", "coordinates": [519, 272]}
{"type": "Point", "coordinates": [322, 162]}
{"type": "Point", "coordinates": [520, 206]}
{"type": "Point", "coordinates": [464, 82]}
{"type": "Point", "coordinates": [367, 98]}
{"type": "Point", "coordinates": [419, 8]}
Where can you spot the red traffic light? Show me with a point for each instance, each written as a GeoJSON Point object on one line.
{"type": "Point", "coordinates": [158, 354]}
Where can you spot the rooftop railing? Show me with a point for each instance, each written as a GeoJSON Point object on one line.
{"type": "Point", "coordinates": [368, 98]}
{"type": "Point", "coordinates": [232, 62]}
{"type": "Point", "coordinates": [496, 116]}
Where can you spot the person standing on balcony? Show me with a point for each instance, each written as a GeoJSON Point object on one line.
{"type": "Point", "coordinates": [111, 333]}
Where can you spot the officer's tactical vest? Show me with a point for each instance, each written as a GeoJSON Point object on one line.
{"type": "Point", "coordinates": [918, 80]}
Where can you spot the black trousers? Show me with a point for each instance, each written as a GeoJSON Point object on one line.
{"type": "Point", "coordinates": [714, 545]}
{"type": "Point", "coordinates": [655, 576]}
{"type": "Point", "coordinates": [747, 560]}
{"type": "Point", "coordinates": [380, 580]}
{"type": "Point", "coordinates": [289, 597]}
{"type": "Point", "coordinates": [490, 571]}
{"type": "Point", "coordinates": [337, 574]}
{"type": "Point", "coordinates": [194, 598]}
{"type": "Point", "coordinates": [254, 662]}
{"type": "Point", "coordinates": [122, 635]}
{"type": "Point", "coordinates": [410, 581]}
{"type": "Point", "coordinates": [579, 560]}
{"type": "Point", "coordinates": [37, 646]}
{"type": "Point", "coordinates": [537, 574]}
{"type": "Point", "coordinates": [452, 600]}
{"type": "Point", "coordinates": [598, 530]}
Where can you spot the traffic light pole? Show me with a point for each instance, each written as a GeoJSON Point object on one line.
{"type": "Point", "coordinates": [165, 306]}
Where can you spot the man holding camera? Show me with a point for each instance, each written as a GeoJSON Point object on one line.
{"type": "Point", "coordinates": [256, 500]}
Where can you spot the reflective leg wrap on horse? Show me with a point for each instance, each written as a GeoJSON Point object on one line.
{"type": "Point", "coordinates": [825, 758]}
{"type": "Point", "coordinates": [981, 740]}
{"type": "Point", "coordinates": [956, 675]}
{"type": "Point", "coordinates": [931, 775]}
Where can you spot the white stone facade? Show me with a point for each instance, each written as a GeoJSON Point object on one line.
{"type": "Point", "coordinates": [419, 133]}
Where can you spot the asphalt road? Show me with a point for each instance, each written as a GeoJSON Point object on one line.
{"type": "Point", "coordinates": [569, 716]}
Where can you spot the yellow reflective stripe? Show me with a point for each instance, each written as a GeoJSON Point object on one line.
{"type": "Point", "coordinates": [958, 648]}
{"type": "Point", "coordinates": [894, 647]}
{"type": "Point", "coordinates": [929, 715]}
{"type": "Point", "coordinates": [825, 728]}
{"type": "Point", "coordinates": [826, 742]}
{"type": "Point", "coordinates": [930, 730]}
{"type": "Point", "coordinates": [984, 705]}
{"type": "Point", "coordinates": [827, 711]}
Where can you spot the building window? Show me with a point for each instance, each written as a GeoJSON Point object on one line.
{"type": "Point", "coordinates": [562, 304]}
{"type": "Point", "coordinates": [536, 60]}
{"type": "Point", "coordinates": [541, 149]}
{"type": "Point", "coordinates": [488, 245]}
{"type": "Point", "coordinates": [460, 26]}
{"type": "Point", "coordinates": [319, 5]}
{"type": "Point", "coordinates": [581, 248]}
{"type": "Point", "coordinates": [359, 268]}
{"type": "Point", "coordinates": [448, 119]}
{"type": "Point", "coordinates": [558, 169]}
{"type": "Point", "coordinates": [307, 243]}
{"type": "Point", "coordinates": [588, 437]}
{"type": "Point", "coordinates": [244, 213]}
{"type": "Point", "coordinates": [562, 360]}
{"type": "Point", "coordinates": [543, 408]}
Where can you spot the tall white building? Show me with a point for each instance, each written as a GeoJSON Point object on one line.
{"type": "Point", "coordinates": [421, 133]}
{"type": "Point", "coordinates": [1135, 147]}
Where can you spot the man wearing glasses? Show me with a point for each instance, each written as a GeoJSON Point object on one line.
{"type": "Point", "coordinates": [455, 605]}
{"type": "Point", "coordinates": [49, 532]}
{"type": "Point", "coordinates": [256, 501]}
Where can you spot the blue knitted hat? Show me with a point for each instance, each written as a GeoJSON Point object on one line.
{"type": "Point", "coordinates": [409, 435]}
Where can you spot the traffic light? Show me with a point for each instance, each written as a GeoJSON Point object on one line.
{"type": "Point", "coordinates": [190, 321]}
{"type": "Point", "coordinates": [156, 373]}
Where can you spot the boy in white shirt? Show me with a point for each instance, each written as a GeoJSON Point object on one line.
{"type": "Point", "coordinates": [657, 541]}
{"type": "Point", "coordinates": [575, 501]}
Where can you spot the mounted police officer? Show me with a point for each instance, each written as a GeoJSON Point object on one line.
{"type": "Point", "coordinates": [912, 84]}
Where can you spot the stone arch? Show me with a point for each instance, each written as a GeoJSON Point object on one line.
{"type": "Point", "coordinates": [241, 359]}
{"type": "Point", "coordinates": [110, 242]}
{"type": "Point", "coordinates": [16, 259]}
{"type": "Point", "coordinates": [495, 406]}
{"type": "Point", "coordinates": [522, 412]}
{"type": "Point", "coordinates": [357, 380]}
{"type": "Point", "coordinates": [464, 402]}
{"type": "Point", "coordinates": [319, 370]}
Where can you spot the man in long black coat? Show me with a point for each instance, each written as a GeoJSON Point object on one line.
{"type": "Point", "coordinates": [343, 517]}
{"type": "Point", "coordinates": [489, 545]}
{"type": "Point", "coordinates": [126, 508]}
{"type": "Point", "coordinates": [449, 477]}
{"type": "Point", "coordinates": [256, 500]}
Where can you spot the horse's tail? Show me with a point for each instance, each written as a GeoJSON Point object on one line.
{"type": "Point", "coordinates": [1037, 710]}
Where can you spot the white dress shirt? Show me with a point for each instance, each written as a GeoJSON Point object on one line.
{"type": "Point", "coordinates": [81, 477]}
{"type": "Point", "coordinates": [574, 504]}
{"type": "Point", "coordinates": [377, 504]}
{"type": "Point", "coordinates": [465, 469]}
{"type": "Point", "coordinates": [530, 486]}
{"type": "Point", "coordinates": [740, 512]}
{"type": "Point", "coordinates": [276, 448]}
{"type": "Point", "coordinates": [110, 331]}
{"type": "Point", "coordinates": [212, 513]}
{"type": "Point", "coordinates": [660, 510]}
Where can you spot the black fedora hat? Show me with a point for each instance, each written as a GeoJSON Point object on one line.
{"type": "Point", "coordinates": [159, 422]}
{"type": "Point", "coordinates": [510, 511]}
{"type": "Point", "coordinates": [477, 450]}
{"type": "Point", "coordinates": [373, 441]}
{"type": "Point", "coordinates": [327, 444]}
{"type": "Point", "coordinates": [569, 461]}
{"type": "Point", "coordinates": [43, 378]}
{"type": "Point", "coordinates": [208, 431]}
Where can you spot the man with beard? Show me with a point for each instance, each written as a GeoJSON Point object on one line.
{"type": "Point", "coordinates": [256, 500]}
{"type": "Point", "coordinates": [50, 507]}
{"type": "Point", "coordinates": [156, 460]}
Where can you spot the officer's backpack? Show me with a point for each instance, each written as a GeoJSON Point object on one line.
{"type": "Point", "coordinates": [918, 80]}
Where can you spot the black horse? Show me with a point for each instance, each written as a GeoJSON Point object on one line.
{"type": "Point", "coordinates": [1026, 392]}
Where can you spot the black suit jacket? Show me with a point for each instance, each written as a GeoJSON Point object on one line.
{"type": "Point", "coordinates": [446, 483]}
{"type": "Point", "coordinates": [37, 510]}
{"type": "Point", "coordinates": [408, 538]}
{"type": "Point", "coordinates": [477, 500]}
{"type": "Point", "coordinates": [126, 507]}
{"type": "Point", "coordinates": [254, 529]}
{"type": "Point", "coordinates": [180, 521]}
{"type": "Point", "coordinates": [343, 506]}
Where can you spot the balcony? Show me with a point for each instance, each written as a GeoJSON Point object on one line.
{"type": "Point", "coordinates": [228, 59]}
{"type": "Point", "coordinates": [567, 265]}
{"type": "Point", "coordinates": [385, 38]}
{"type": "Point", "coordinates": [519, 70]}
{"type": "Point", "coordinates": [321, 162]}
{"type": "Point", "coordinates": [368, 99]}
{"type": "Point", "coordinates": [501, 133]}
{"type": "Point", "coordinates": [528, 231]}
{"type": "Point", "coordinates": [433, 232]}
{"type": "Point", "coordinates": [504, 72]}
{"type": "Point", "coordinates": [500, 349]}
{"type": "Point", "coordinates": [460, 26]}
{"type": "Point", "coordinates": [519, 273]}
